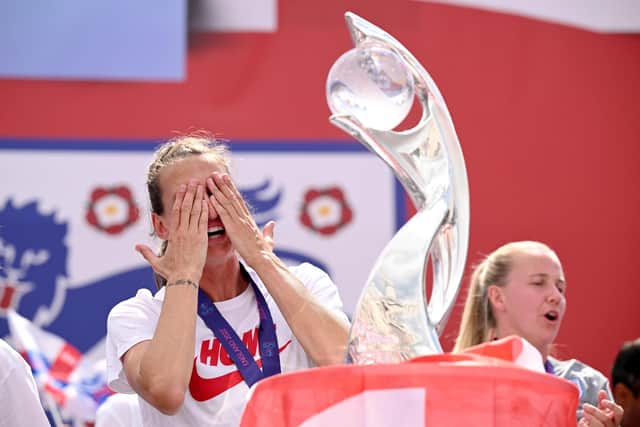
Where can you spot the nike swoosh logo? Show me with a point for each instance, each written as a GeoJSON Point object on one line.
{"type": "Point", "coordinates": [203, 389]}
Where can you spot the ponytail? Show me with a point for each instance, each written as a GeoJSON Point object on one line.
{"type": "Point", "coordinates": [478, 321]}
{"type": "Point", "coordinates": [473, 327]}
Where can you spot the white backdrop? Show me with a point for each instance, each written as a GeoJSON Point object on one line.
{"type": "Point", "coordinates": [61, 182]}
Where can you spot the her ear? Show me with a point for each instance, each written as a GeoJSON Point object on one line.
{"type": "Point", "coordinates": [159, 227]}
{"type": "Point", "coordinates": [496, 297]}
{"type": "Point", "coordinates": [621, 393]}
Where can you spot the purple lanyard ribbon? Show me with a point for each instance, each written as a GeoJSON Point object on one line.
{"type": "Point", "coordinates": [548, 367]}
{"type": "Point", "coordinates": [267, 338]}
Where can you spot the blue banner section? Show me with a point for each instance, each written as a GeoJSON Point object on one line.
{"type": "Point", "coordinates": [96, 40]}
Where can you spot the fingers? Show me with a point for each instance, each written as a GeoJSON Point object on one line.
{"type": "Point", "coordinates": [268, 230]}
{"type": "Point", "coordinates": [196, 209]}
{"type": "Point", "coordinates": [267, 233]}
{"type": "Point", "coordinates": [597, 416]}
{"type": "Point", "coordinates": [612, 410]}
{"type": "Point", "coordinates": [223, 190]}
{"type": "Point", "coordinates": [191, 205]}
{"type": "Point", "coordinates": [602, 396]}
{"type": "Point", "coordinates": [147, 254]}
{"type": "Point", "coordinates": [175, 209]}
{"type": "Point", "coordinates": [204, 217]}
{"type": "Point", "coordinates": [217, 206]}
{"type": "Point", "coordinates": [589, 420]}
{"type": "Point", "coordinates": [235, 193]}
{"type": "Point", "coordinates": [187, 204]}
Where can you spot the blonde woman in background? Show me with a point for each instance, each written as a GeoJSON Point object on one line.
{"type": "Point", "coordinates": [519, 289]}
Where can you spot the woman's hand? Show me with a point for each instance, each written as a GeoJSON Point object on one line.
{"type": "Point", "coordinates": [187, 238]}
{"type": "Point", "coordinates": [246, 237]}
{"type": "Point", "coordinates": [607, 414]}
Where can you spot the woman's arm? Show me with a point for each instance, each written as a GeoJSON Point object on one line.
{"type": "Point", "coordinates": [159, 369]}
{"type": "Point", "coordinates": [322, 334]}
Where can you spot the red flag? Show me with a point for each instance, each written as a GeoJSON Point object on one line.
{"type": "Point", "coordinates": [430, 391]}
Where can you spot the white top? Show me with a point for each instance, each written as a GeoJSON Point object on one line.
{"type": "Point", "coordinates": [217, 393]}
{"type": "Point", "coordinates": [119, 410]}
{"type": "Point", "coordinates": [19, 401]}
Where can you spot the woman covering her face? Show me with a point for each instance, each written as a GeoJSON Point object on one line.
{"type": "Point", "coordinates": [228, 311]}
{"type": "Point", "coordinates": [519, 289]}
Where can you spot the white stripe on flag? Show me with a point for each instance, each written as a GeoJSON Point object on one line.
{"type": "Point", "coordinates": [375, 408]}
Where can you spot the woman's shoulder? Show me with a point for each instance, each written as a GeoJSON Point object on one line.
{"type": "Point", "coordinates": [307, 273]}
{"type": "Point", "coordinates": [574, 367]}
{"type": "Point", "coordinates": [306, 269]}
{"type": "Point", "coordinates": [588, 380]}
{"type": "Point", "coordinates": [143, 301]}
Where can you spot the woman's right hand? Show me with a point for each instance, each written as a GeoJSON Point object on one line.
{"type": "Point", "coordinates": [187, 238]}
{"type": "Point", "coordinates": [607, 414]}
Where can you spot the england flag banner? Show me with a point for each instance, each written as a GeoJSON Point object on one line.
{"type": "Point", "coordinates": [505, 377]}
{"type": "Point", "coordinates": [72, 211]}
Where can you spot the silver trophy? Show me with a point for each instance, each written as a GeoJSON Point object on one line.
{"type": "Point", "coordinates": [370, 90]}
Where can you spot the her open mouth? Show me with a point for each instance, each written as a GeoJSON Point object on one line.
{"type": "Point", "coordinates": [215, 231]}
{"type": "Point", "coordinates": [552, 315]}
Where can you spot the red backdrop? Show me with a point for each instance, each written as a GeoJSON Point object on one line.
{"type": "Point", "coordinates": [547, 117]}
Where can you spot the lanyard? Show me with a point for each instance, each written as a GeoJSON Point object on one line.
{"type": "Point", "coordinates": [232, 343]}
{"type": "Point", "coordinates": [548, 367]}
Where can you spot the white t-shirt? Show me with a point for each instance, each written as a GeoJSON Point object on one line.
{"type": "Point", "coordinates": [119, 410]}
{"type": "Point", "coordinates": [217, 393]}
{"type": "Point", "coordinates": [19, 401]}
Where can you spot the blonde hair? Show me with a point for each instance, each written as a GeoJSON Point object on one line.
{"type": "Point", "coordinates": [478, 321]}
{"type": "Point", "coordinates": [174, 150]}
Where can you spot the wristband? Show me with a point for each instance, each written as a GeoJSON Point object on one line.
{"type": "Point", "coordinates": [183, 282]}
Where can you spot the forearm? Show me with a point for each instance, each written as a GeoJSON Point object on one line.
{"type": "Point", "coordinates": [322, 334]}
{"type": "Point", "coordinates": [168, 361]}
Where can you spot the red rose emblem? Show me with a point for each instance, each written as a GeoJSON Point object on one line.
{"type": "Point", "coordinates": [112, 209]}
{"type": "Point", "coordinates": [325, 211]}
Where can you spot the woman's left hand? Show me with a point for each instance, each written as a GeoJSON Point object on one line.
{"type": "Point", "coordinates": [607, 414]}
{"type": "Point", "coordinates": [238, 222]}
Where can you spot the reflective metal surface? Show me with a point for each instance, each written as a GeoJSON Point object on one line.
{"type": "Point", "coordinates": [393, 320]}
